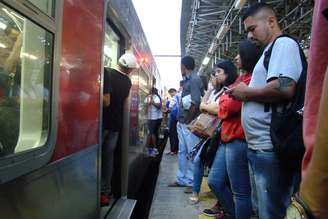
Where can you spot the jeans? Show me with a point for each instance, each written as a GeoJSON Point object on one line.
{"type": "Point", "coordinates": [187, 141]}
{"type": "Point", "coordinates": [273, 184]}
{"type": "Point", "coordinates": [174, 141]}
{"type": "Point", "coordinates": [218, 180]}
{"type": "Point", "coordinates": [108, 149]}
{"type": "Point", "coordinates": [238, 173]}
{"type": "Point", "coordinates": [198, 173]}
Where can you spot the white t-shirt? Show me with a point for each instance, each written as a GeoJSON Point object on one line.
{"type": "Point", "coordinates": [285, 61]}
{"type": "Point", "coordinates": [153, 112]}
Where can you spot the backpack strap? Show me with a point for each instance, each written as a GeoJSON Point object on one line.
{"type": "Point", "coordinates": [267, 54]}
{"type": "Point", "coordinates": [266, 61]}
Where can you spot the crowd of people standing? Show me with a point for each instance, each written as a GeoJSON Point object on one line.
{"type": "Point", "coordinates": [247, 175]}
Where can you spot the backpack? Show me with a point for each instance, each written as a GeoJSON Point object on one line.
{"type": "Point", "coordinates": [286, 128]}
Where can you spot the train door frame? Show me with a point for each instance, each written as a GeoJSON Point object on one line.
{"type": "Point", "coordinates": [16, 165]}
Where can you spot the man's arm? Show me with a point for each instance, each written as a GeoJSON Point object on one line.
{"type": "Point", "coordinates": [191, 114]}
{"type": "Point", "coordinates": [195, 95]}
{"type": "Point", "coordinates": [107, 89]}
{"type": "Point", "coordinates": [277, 90]}
{"type": "Point", "coordinates": [106, 100]}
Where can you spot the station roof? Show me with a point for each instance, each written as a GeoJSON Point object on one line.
{"type": "Point", "coordinates": [213, 28]}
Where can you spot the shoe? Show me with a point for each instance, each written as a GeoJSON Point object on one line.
{"type": "Point", "coordinates": [104, 200]}
{"type": "Point", "coordinates": [155, 151]}
{"type": "Point", "coordinates": [188, 190]}
{"type": "Point", "coordinates": [151, 153]}
{"type": "Point", "coordinates": [194, 198]}
{"type": "Point", "coordinates": [176, 184]}
{"type": "Point", "coordinates": [214, 211]}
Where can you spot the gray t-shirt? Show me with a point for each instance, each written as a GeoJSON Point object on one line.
{"type": "Point", "coordinates": [192, 86]}
{"type": "Point", "coordinates": [285, 61]}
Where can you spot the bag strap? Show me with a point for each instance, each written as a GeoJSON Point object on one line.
{"type": "Point", "coordinates": [299, 89]}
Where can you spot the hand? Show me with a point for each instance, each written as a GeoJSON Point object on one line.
{"type": "Point", "coordinates": [238, 92]}
{"type": "Point", "coordinates": [201, 106]}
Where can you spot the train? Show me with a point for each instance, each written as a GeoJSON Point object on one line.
{"type": "Point", "coordinates": [52, 59]}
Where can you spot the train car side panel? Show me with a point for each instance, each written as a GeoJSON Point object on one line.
{"type": "Point", "coordinates": [81, 58]}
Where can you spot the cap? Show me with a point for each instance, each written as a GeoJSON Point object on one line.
{"type": "Point", "coordinates": [128, 60]}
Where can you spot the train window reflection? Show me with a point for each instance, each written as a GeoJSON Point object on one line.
{"type": "Point", "coordinates": [47, 6]}
{"type": "Point", "coordinates": [138, 110]}
{"type": "Point", "coordinates": [111, 48]}
{"type": "Point", "coordinates": [26, 52]}
{"type": "Point", "coordinates": [142, 119]}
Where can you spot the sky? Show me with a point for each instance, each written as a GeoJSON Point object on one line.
{"type": "Point", "coordinates": [160, 20]}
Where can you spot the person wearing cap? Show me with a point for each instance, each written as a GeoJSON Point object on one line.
{"type": "Point", "coordinates": [116, 89]}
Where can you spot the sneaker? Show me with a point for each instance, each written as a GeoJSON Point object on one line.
{"type": "Point", "coordinates": [194, 198]}
{"type": "Point", "coordinates": [104, 200]}
{"type": "Point", "coordinates": [175, 184]}
{"type": "Point", "coordinates": [155, 151]}
{"type": "Point", "coordinates": [214, 211]}
{"type": "Point", "coordinates": [151, 153]}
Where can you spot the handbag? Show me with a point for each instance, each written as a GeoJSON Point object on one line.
{"type": "Point", "coordinates": [204, 125]}
{"type": "Point", "coordinates": [208, 152]}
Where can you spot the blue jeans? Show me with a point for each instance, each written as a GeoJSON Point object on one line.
{"type": "Point", "coordinates": [198, 173]}
{"type": "Point", "coordinates": [218, 180]}
{"type": "Point", "coordinates": [273, 184]}
{"type": "Point", "coordinates": [236, 197]}
{"type": "Point", "coordinates": [187, 141]}
{"type": "Point", "coordinates": [238, 173]}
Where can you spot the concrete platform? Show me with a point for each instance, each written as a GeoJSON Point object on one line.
{"type": "Point", "coordinates": [171, 203]}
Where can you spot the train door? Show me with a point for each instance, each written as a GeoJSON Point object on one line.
{"type": "Point", "coordinates": [114, 47]}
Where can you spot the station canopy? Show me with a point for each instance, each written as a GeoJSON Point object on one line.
{"type": "Point", "coordinates": [210, 30]}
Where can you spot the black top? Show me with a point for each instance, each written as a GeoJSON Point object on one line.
{"type": "Point", "coordinates": [118, 86]}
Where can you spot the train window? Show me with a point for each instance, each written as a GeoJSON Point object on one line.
{"type": "Point", "coordinates": [142, 118]}
{"type": "Point", "coordinates": [111, 48]}
{"type": "Point", "coordinates": [47, 6]}
{"type": "Point", "coordinates": [26, 54]}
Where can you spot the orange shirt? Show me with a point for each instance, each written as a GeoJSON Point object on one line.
{"type": "Point", "coordinates": [230, 113]}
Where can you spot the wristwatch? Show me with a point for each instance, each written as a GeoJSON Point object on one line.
{"type": "Point", "coordinates": [298, 209]}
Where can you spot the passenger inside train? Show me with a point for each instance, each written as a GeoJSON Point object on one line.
{"type": "Point", "coordinates": [117, 85]}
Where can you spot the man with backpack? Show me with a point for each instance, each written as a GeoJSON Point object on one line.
{"type": "Point", "coordinates": [276, 87]}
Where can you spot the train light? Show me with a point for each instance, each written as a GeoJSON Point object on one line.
{"type": "Point", "coordinates": [143, 60]}
{"type": "Point", "coordinates": [206, 60]}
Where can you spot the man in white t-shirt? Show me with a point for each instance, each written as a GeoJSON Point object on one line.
{"type": "Point", "coordinates": [154, 107]}
{"type": "Point", "coordinates": [272, 185]}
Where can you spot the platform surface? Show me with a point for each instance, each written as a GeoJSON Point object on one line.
{"type": "Point", "coordinates": [171, 203]}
